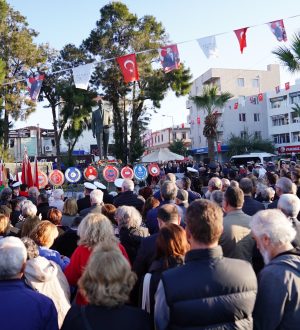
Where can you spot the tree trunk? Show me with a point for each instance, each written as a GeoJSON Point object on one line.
{"type": "Point", "coordinates": [5, 130]}
{"type": "Point", "coordinates": [211, 148]}
{"type": "Point", "coordinates": [56, 136]}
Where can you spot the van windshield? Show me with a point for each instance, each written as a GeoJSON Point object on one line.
{"type": "Point", "coordinates": [243, 160]}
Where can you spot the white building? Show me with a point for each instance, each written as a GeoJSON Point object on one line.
{"type": "Point", "coordinates": [164, 137]}
{"type": "Point", "coordinates": [283, 122]}
{"type": "Point", "coordinates": [245, 86]}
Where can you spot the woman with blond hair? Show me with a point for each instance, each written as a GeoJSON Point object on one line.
{"type": "Point", "coordinates": [94, 229]}
{"type": "Point", "coordinates": [70, 211]}
{"type": "Point", "coordinates": [44, 235]}
{"type": "Point", "coordinates": [107, 290]}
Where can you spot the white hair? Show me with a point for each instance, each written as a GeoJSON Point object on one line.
{"type": "Point", "coordinates": [128, 185]}
{"type": "Point", "coordinates": [289, 204]}
{"type": "Point", "coordinates": [128, 217]}
{"type": "Point", "coordinates": [96, 197]}
{"type": "Point", "coordinates": [28, 209]}
{"type": "Point", "coordinates": [274, 224]}
{"type": "Point", "coordinates": [13, 255]}
{"type": "Point", "coordinates": [225, 183]}
{"type": "Point", "coordinates": [286, 186]}
{"type": "Point", "coordinates": [33, 192]}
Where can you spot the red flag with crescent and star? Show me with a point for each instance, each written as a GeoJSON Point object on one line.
{"type": "Point", "coordinates": [241, 35]}
{"type": "Point", "coordinates": [129, 67]}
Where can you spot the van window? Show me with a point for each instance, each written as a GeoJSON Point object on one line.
{"type": "Point", "coordinates": [243, 161]}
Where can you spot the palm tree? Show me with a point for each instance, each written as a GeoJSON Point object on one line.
{"type": "Point", "coordinates": [210, 101]}
{"type": "Point", "coordinates": [290, 57]}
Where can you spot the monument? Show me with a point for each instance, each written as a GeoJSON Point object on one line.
{"type": "Point", "coordinates": [101, 122]}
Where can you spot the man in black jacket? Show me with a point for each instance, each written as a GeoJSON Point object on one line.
{"type": "Point", "coordinates": [168, 213]}
{"type": "Point", "coordinates": [84, 203]}
{"type": "Point", "coordinates": [128, 197]}
{"type": "Point", "coordinates": [209, 291]}
{"type": "Point", "coordinates": [277, 303]}
{"type": "Point", "coordinates": [250, 206]}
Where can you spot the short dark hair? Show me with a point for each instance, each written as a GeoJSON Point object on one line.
{"type": "Point", "coordinates": [168, 213]}
{"type": "Point", "coordinates": [43, 197]}
{"type": "Point", "coordinates": [234, 196]}
{"type": "Point", "coordinates": [23, 186]}
{"type": "Point", "coordinates": [204, 220]}
{"type": "Point", "coordinates": [246, 185]}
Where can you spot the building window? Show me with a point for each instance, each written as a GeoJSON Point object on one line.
{"type": "Point", "coordinates": [243, 134]}
{"type": "Point", "coordinates": [158, 139]}
{"type": "Point", "coordinates": [184, 136]}
{"type": "Point", "coordinates": [294, 97]}
{"type": "Point", "coordinates": [280, 120]}
{"type": "Point", "coordinates": [295, 117]}
{"type": "Point", "coordinates": [155, 139]}
{"type": "Point", "coordinates": [256, 117]}
{"type": "Point", "coordinates": [257, 135]}
{"type": "Point", "coordinates": [277, 102]}
{"type": "Point", "coordinates": [295, 136]}
{"type": "Point", "coordinates": [281, 138]}
{"type": "Point", "coordinates": [242, 117]}
{"type": "Point", "coordinates": [174, 136]}
{"type": "Point", "coordinates": [241, 82]}
{"type": "Point", "coordinates": [162, 138]}
{"type": "Point", "coordinates": [255, 83]}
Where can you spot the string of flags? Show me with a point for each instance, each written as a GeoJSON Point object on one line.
{"type": "Point", "coordinates": [169, 58]}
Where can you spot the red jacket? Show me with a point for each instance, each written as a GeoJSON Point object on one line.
{"type": "Point", "coordinates": [77, 264]}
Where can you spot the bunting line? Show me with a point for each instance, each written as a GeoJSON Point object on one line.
{"type": "Point", "coordinates": [156, 49]}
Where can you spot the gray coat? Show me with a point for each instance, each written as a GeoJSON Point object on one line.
{"type": "Point", "coordinates": [236, 240]}
{"type": "Point", "coordinates": [278, 301]}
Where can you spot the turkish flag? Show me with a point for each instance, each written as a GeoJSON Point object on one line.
{"type": "Point", "coordinates": [182, 125]}
{"type": "Point", "coordinates": [287, 86]}
{"type": "Point", "coordinates": [219, 146]}
{"type": "Point", "coordinates": [260, 97]}
{"type": "Point", "coordinates": [241, 35]}
{"type": "Point", "coordinates": [236, 105]}
{"type": "Point", "coordinates": [198, 120]}
{"type": "Point", "coordinates": [129, 67]}
{"type": "Point", "coordinates": [26, 170]}
{"type": "Point", "coordinates": [35, 173]}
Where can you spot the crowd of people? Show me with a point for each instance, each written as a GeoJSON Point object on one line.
{"type": "Point", "coordinates": [215, 248]}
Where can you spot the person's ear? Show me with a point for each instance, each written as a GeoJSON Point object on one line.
{"type": "Point", "coordinates": [179, 220]}
{"type": "Point", "coordinates": [188, 234]}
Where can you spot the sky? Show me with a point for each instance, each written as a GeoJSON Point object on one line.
{"type": "Point", "coordinates": [70, 21]}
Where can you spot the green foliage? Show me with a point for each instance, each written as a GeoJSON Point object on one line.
{"type": "Point", "coordinates": [119, 32]}
{"type": "Point", "coordinates": [290, 57]}
{"type": "Point", "coordinates": [249, 143]}
{"type": "Point", "coordinates": [59, 90]}
{"type": "Point", "coordinates": [296, 109]}
{"type": "Point", "coordinates": [178, 147]}
{"type": "Point", "coordinates": [210, 101]}
{"type": "Point", "coordinates": [19, 53]}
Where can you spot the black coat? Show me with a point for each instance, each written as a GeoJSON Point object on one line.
{"type": "Point", "coordinates": [145, 255]}
{"type": "Point", "coordinates": [66, 243]}
{"type": "Point", "coordinates": [210, 292]}
{"type": "Point", "coordinates": [131, 239]}
{"type": "Point", "coordinates": [43, 209]}
{"type": "Point", "coordinates": [251, 206]}
{"type": "Point", "coordinates": [129, 198]}
{"type": "Point", "coordinates": [114, 318]}
{"type": "Point", "coordinates": [83, 203]}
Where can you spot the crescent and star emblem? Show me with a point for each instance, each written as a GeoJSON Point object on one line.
{"type": "Point", "coordinates": [129, 62]}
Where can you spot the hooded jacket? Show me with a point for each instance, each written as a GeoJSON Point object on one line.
{"type": "Point", "coordinates": [278, 302]}
{"type": "Point", "coordinates": [46, 277]}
